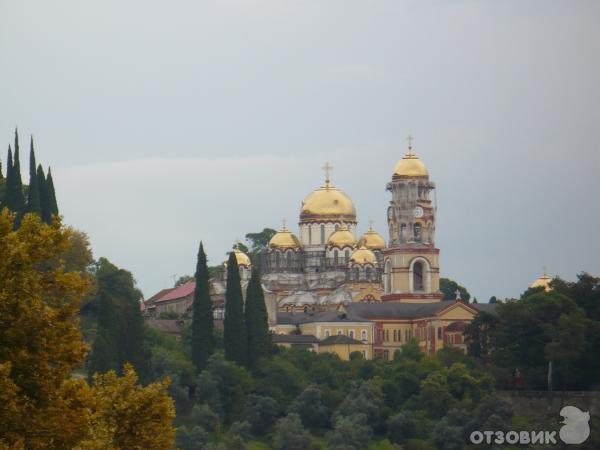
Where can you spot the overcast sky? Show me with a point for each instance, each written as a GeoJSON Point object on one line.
{"type": "Point", "coordinates": [170, 122]}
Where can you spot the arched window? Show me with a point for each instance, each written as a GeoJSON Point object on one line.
{"type": "Point", "coordinates": [310, 234]}
{"type": "Point", "coordinates": [417, 231]}
{"type": "Point", "coordinates": [351, 334]}
{"type": "Point", "coordinates": [322, 234]}
{"type": "Point", "coordinates": [363, 335]}
{"type": "Point", "coordinates": [418, 284]}
{"type": "Point", "coordinates": [430, 234]}
{"type": "Point", "coordinates": [277, 259]}
{"type": "Point", "coordinates": [288, 258]}
{"type": "Point", "coordinates": [335, 257]}
{"type": "Point", "coordinates": [403, 235]}
{"type": "Point", "coordinates": [347, 256]}
{"type": "Point", "coordinates": [368, 271]}
{"type": "Point", "coordinates": [356, 273]}
{"type": "Point", "coordinates": [337, 226]}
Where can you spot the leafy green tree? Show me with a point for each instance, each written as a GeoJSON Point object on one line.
{"type": "Point", "coordinates": [234, 338]}
{"type": "Point", "coordinates": [183, 279]}
{"type": "Point", "coordinates": [310, 407]}
{"type": "Point", "coordinates": [350, 433]}
{"type": "Point", "coordinates": [241, 429]}
{"type": "Point", "coordinates": [123, 319]}
{"type": "Point", "coordinates": [33, 198]}
{"type": "Point", "coordinates": [363, 398]}
{"type": "Point", "coordinates": [194, 438]}
{"type": "Point", "coordinates": [260, 411]}
{"type": "Point", "coordinates": [435, 397]}
{"type": "Point", "coordinates": [258, 242]}
{"type": "Point", "coordinates": [477, 334]}
{"type": "Point", "coordinates": [290, 434]}
{"type": "Point", "coordinates": [448, 288]}
{"type": "Point", "coordinates": [223, 386]}
{"type": "Point", "coordinates": [493, 299]}
{"type": "Point", "coordinates": [257, 321]}
{"type": "Point", "coordinates": [203, 416]}
{"type": "Point", "coordinates": [203, 344]}
{"type": "Point", "coordinates": [104, 355]}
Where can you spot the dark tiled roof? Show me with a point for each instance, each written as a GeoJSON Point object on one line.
{"type": "Point", "coordinates": [485, 307]}
{"type": "Point", "coordinates": [286, 318]}
{"type": "Point", "coordinates": [158, 295]}
{"type": "Point", "coordinates": [392, 310]}
{"type": "Point", "coordinates": [294, 339]}
{"type": "Point", "coordinates": [339, 339]}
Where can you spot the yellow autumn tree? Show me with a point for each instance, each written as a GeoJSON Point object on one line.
{"type": "Point", "coordinates": [41, 405]}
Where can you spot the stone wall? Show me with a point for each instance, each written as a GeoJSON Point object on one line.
{"type": "Point", "coordinates": [544, 403]}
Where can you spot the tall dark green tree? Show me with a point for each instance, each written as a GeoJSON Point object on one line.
{"type": "Point", "coordinates": [18, 199]}
{"type": "Point", "coordinates": [122, 329]}
{"type": "Point", "coordinates": [103, 356]}
{"type": "Point", "coordinates": [33, 197]}
{"type": "Point", "coordinates": [257, 321]}
{"type": "Point", "coordinates": [234, 333]}
{"type": "Point", "coordinates": [52, 205]}
{"type": "Point", "coordinates": [203, 344]}
{"type": "Point", "coordinates": [44, 198]}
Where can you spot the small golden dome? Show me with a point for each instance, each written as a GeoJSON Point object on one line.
{"type": "Point", "coordinates": [544, 282]}
{"type": "Point", "coordinates": [284, 239]}
{"type": "Point", "coordinates": [410, 166]}
{"type": "Point", "coordinates": [372, 240]}
{"type": "Point", "coordinates": [363, 256]}
{"type": "Point", "coordinates": [241, 258]}
{"type": "Point", "coordinates": [342, 237]}
{"type": "Point", "coordinates": [327, 203]}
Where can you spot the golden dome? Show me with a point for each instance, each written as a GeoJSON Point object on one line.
{"type": "Point", "coordinates": [372, 240]}
{"type": "Point", "coordinates": [284, 239]}
{"type": "Point", "coordinates": [342, 237]}
{"type": "Point", "coordinates": [241, 258]}
{"type": "Point", "coordinates": [327, 203]}
{"type": "Point", "coordinates": [410, 166]}
{"type": "Point", "coordinates": [363, 256]}
{"type": "Point", "coordinates": [543, 281]}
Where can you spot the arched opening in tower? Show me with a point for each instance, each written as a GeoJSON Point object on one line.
{"type": "Point", "coordinates": [418, 276]}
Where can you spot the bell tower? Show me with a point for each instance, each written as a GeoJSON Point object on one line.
{"type": "Point", "coordinates": [411, 260]}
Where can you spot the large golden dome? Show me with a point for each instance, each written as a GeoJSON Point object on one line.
{"type": "Point", "coordinates": [241, 258]}
{"type": "Point", "coordinates": [284, 239]}
{"type": "Point", "coordinates": [363, 256]}
{"type": "Point", "coordinates": [372, 240]}
{"type": "Point", "coordinates": [410, 166]}
{"type": "Point", "coordinates": [327, 203]}
{"type": "Point", "coordinates": [342, 237]}
{"type": "Point", "coordinates": [543, 281]}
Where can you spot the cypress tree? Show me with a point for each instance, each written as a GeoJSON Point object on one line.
{"type": "Point", "coordinates": [234, 333]}
{"type": "Point", "coordinates": [52, 205]}
{"type": "Point", "coordinates": [33, 197]}
{"type": "Point", "coordinates": [9, 164]}
{"type": "Point", "coordinates": [44, 200]}
{"type": "Point", "coordinates": [257, 321]}
{"type": "Point", "coordinates": [17, 200]}
{"type": "Point", "coordinates": [203, 344]}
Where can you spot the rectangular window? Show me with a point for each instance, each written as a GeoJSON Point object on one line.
{"type": "Point", "coordinates": [440, 333]}
{"type": "Point", "coordinates": [363, 335]}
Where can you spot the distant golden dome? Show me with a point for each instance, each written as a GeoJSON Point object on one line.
{"type": "Point", "coordinates": [342, 237]}
{"type": "Point", "coordinates": [284, 239]}
{"type": "Point", "coordinates": [544, 282]}
{"type": "Point", "coordinates": [410, 166]}
{"type": "Point", "coordinates": [241, 258]}
{"type": "Point", "coordinates": [327, 204]}
{"type": "Point", "coordinates": [363, 256]}
{"type": "Point", "coordinates": [372, 240]}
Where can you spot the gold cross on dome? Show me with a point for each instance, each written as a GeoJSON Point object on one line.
{"type": "Point", "coordinates": [371, 224]}
{"type": "Point", "coordinates": [327, 168]}
{"type": "Point", "coordinates": [284, 223]}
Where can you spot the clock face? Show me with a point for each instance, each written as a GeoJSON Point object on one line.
{"type": "Point", "coordinates": [418, 212]}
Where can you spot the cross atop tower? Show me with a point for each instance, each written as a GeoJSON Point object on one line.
{"type": "Point", "coordinates": [284, 223]}
{"type": "Point", "coordinates": [327, 168]}
{"type": "Point", "coordinates": [410, 140]}
{"type": "Point", "coordinates": [371, 225]}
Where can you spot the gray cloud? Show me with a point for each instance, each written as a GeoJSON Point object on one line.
{"type": "Point", "coordinates": [167, 123]}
